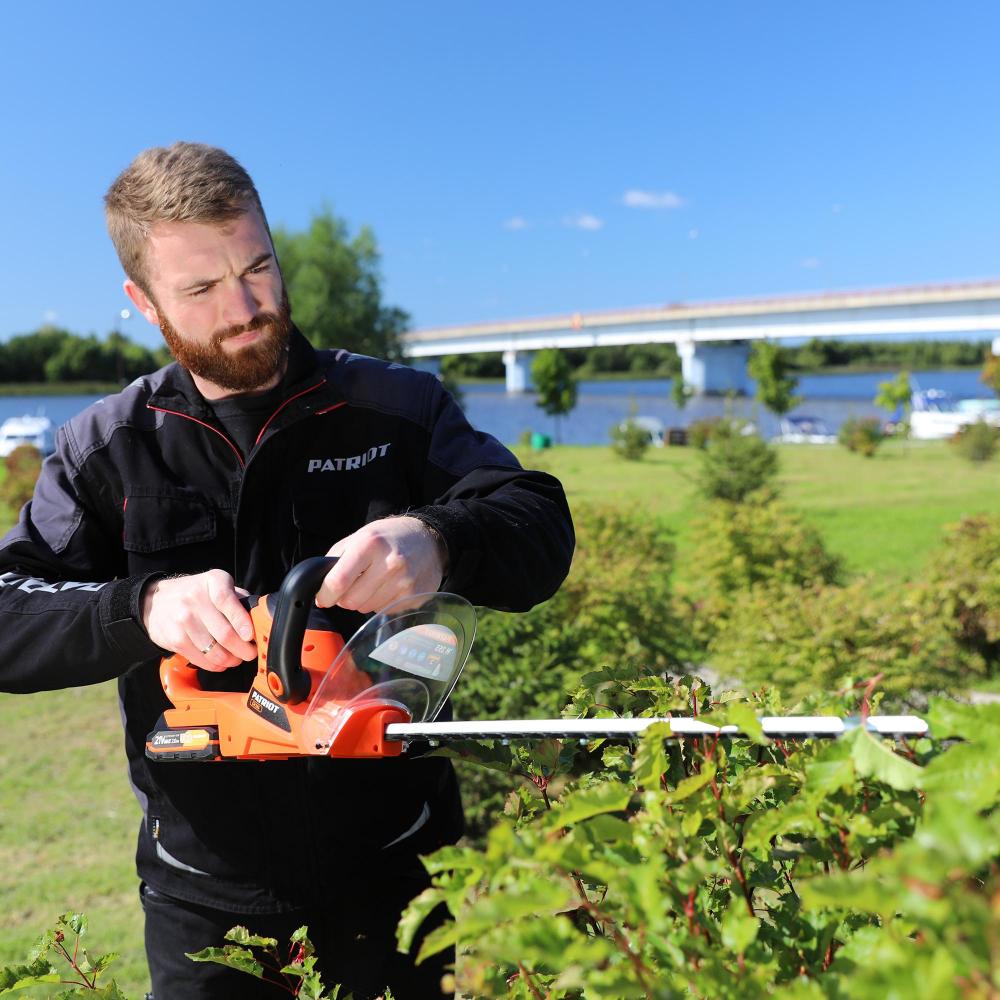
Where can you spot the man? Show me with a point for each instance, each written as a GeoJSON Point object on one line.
{"type": "Point", "coordinates": [210, 479]}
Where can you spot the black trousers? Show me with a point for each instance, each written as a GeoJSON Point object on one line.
{"type": "Point", "coordinates": [354, 937]}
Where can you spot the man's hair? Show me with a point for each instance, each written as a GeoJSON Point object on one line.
{"type": "Point", "coordinates": [185, 182]}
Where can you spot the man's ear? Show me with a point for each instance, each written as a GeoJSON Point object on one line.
{"type": "Point", "coordinates": [142, 301]}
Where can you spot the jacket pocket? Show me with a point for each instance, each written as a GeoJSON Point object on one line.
{"type": "Point", "coordinates": [162, 519]}
{"type": "Point", "coordinates": [170, 529]}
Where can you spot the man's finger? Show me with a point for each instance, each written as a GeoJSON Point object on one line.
{"type": "Point", "coordinates": [226, 598]}
{"type": "Point", "coordinates": [351, 566]}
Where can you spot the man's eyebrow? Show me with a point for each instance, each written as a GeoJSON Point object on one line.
{"type": "Point", "coordinates": [257, 261]}
{"type": "Point", "coordinates": [205, 282]}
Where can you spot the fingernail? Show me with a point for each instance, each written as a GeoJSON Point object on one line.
{"type": "Point", "coordinates": [246, 632]}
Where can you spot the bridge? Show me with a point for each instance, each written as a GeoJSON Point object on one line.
{"type": "Point", "coordinates": [713, 338]}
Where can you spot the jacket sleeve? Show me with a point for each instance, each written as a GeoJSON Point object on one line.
{"type": "Point", "coordinates": [508, 530]}
{"type": "Point", "coordinates": [65, 618]}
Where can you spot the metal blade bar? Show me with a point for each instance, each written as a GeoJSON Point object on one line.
{"type": "Point", "coordinates": [595, 729]}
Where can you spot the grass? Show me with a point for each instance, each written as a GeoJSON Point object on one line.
{"type": "Point", "coordinates": [68, 819]}
{"type": "Point", "coordinates": [68, 823]}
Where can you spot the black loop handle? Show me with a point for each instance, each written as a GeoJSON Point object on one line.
{"type": "Point", "coordinates": [288, 627]}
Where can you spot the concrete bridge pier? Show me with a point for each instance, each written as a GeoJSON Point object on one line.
{"type": "Point", "coordinates": [714, 368]}
{"type": "Point", "coordinates": [518, 365]}
{"type": "Point", "coordinates": [432, 365]}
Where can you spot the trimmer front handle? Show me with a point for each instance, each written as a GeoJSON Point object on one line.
{"type": "Point", "coordinates": [288, 682]}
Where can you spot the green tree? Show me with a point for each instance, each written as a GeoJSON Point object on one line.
{"type": "Point", "coordinates": [554, 382]}
{"type": "Point", "coordinates": [335, 287]}
{"type": "Point", "coordinates": [23, 358]}
{"type": "Point", "coordinates": [990, 374]}
{"type": "Point", "coordinates": [769, 367]}
{"type": "Point", "coordinates": [894, 395]}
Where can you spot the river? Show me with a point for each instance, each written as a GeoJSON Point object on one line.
{"type": "Point", "coordinates": [603, 404]}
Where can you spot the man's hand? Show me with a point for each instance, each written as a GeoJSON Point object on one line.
{"type": "Point", "coordinates": [192, 614]}
{"type": "Point", "coordinates": [382, 562]}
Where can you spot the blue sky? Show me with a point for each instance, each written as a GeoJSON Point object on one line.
{"type": "Point", "coordinates": [521, 159]}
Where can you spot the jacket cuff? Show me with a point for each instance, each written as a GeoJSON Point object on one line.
{"type": "Point", "coordinates": [120, 611]}
{"type": "Point", "coordinates": [460, 537]}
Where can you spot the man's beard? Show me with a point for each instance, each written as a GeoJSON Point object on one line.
{"type": "Point", "coordinates": [240, 371]}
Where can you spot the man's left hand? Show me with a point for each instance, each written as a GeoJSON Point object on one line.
{"type": "Point", "coordinates": [383, 562]}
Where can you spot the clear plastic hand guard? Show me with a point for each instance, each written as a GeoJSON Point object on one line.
{"type": "Point", "coordinates": [410, 655]}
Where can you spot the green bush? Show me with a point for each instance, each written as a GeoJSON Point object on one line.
{"type": "Point", "coordinates": [735, 464]}
{"type": "Point", "coordinates": [940, 634]}
{"type": "Point", "coordinates": [759, 542]}
{"type": "Point", "coordinates": [23, 465]}
{"type": "Point", "coordinates": [732, 869]}
{"type": "Point", "coordinates": [978, 441]}
{"type": "Point", "coordinates": [699, 432]}
{"type": "Point", "coordinates": [961, 591]}
{"type": "Point", "coordinates": [615, 606]}
{"type": "Point", "coordinates": [800, 640]}
{"type": "Point", "coordinates": [861, 434]}
{"type": "Point", "coordinates": [629, 440]}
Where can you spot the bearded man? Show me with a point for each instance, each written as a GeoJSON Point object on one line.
{"type": "Point", "coordinates": [210, 479]}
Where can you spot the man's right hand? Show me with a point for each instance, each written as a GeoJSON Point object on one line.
{"type": "Point", "coordinates": [192, 614]}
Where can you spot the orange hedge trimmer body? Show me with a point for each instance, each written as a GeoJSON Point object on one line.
{"type": "Point", "coordinates": [268, 722]}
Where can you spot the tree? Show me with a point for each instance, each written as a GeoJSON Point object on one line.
{"type": "Point", "coordinates": [335, 288]}
{"type": "Point", "coordinates": [554, 382]}
{"type": "Point", "coordinates": [990, 375]}
{"type": "Point", "coordinates": [769, 367]}
{"type": "Point", "coordinates": [895, 395]}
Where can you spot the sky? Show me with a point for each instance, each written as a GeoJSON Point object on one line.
{"type": "Point", "coordinates": [521, 159]}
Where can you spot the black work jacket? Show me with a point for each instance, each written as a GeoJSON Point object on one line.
{"type": "Point", "coordinates": [146, 482]}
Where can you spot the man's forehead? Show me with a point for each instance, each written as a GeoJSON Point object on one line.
{"type": "Point", "coordinates": [188, 247]}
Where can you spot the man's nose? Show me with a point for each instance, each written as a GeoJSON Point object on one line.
{"type": "Point", "coordinates": [239, 305]}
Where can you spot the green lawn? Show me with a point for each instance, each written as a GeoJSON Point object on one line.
{"type": "Point", "coordinates": [67, 816]}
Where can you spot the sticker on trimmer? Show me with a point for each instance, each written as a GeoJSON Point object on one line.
{"type": "Point", "coordinates": [268, 709]}
{"type": "Point", "coordinates": [423, 650]}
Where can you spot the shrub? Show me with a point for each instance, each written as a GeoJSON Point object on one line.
{"type": "Point", "coordinates": [760, 542]}
{"type": "Point", "coordinates": [735, 464]}
{"type": "Point", "coordinates": [732, 869]}
{"type": "Point", "coordinates": [629, 440]}
{"type": "Point", "coordinates": [961, 591]}
{"type": "Point", "coordinates": [23, 465]}
{"type": "Point", "coordinates": [977, 441]}
{"type": "Point", "coordinates": [823, 638]}
{"type": "Point", "coordinates": [615, 606]}
{"type": "Point", "coordinates": [861, 434]}
{"type": "Point", "coordinates": [699, 432]}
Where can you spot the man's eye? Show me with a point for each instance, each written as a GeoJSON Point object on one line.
{"type": "Point", "coordinates": [260, 268]}
{"type": "Point", "coordinates": [202, 290]}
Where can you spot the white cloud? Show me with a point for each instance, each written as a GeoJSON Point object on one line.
{"type": "Point", "coordinates": [515, 222]}
{"type": "Point", "coordinates": [582, 220]}
{"type": "Point", "coordinates": [693, 234]}
{"type": "Point", "coordinates": [50, 316]}
{"type": "Point", "coordinates": [810, 263]}
{"type": "Point", "coordinates": [635, 198]}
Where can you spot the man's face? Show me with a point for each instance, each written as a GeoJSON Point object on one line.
{"type": "Point", "coordinates": [216, 293]}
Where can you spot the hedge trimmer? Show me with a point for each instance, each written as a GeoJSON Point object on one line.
{"type": "Point", "coordinates": [315, 695]}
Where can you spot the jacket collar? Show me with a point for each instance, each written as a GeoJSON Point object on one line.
{"type": "Point", "coordinates": [177, 392]}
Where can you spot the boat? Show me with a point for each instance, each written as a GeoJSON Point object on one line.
{"type": "Point", "coordinates": [36, 431]}
{"type": "Point", "coordinates": [938, 414]}
{"type": "Point", "coordinates": [804, 429]}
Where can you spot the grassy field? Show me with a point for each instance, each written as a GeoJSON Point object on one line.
{"type": "Point", "coordinates": [68, 819]}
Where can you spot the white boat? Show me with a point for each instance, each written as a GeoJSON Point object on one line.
{"type": "Point", "coordinates": [804, 429]}
{"type": "Point", "coordinates": [938, 414]}
{"type": "Point", "coordinates": [36, 431]}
